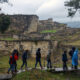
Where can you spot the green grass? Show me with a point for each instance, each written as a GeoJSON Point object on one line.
{"type": "Point", "coordinates": [74, 43]}
{"type": "Point", "coordinates": [49, 31]}
{"type": "Point", "coordinates": [36, 74]}
{"type": "Point", "coordinates": [45, 75]}
{"type": "Point", "coordinates": [8, 39]}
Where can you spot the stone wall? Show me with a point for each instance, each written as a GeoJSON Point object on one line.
{"type": "Point", "coordinates": [31, 23]}
{"type": "Point", "coordinates": [50, 25]}
{"type": "Point", "coordinates": [31, 45]}
{"type": "Point", "coordinates": [23, 23]}
{"type": "Point", "coordinates": [34, 25]}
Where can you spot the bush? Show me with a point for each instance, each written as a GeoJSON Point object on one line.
{"type": "Point", "coordinates": [4, 23]}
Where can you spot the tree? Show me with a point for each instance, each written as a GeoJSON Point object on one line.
{"type": "Point", "coordinates": [73, 7]}
{"type": "Point", "coordinates": [3, 1]}
{"type": "Point", "coordinates": [4, 23]}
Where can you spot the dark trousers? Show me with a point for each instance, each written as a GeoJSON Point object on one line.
{"type": "Point", "coordinates": [11, 68]}
{"type": "Point", "coordinates": [15, 66]}
{"type": "Point", "coordinates": [38, 60]}
{"type": "Point", "coordinates": [64, 65]}
{"type": "Point", "coordinates": [49, 64]}
{"type": "Point", "coordinates": [24, 63]}
{"type": "Point", "coordinates": [75, 67]}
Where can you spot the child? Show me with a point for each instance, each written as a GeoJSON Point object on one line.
{"type": "Point", "coordinates": [11, 65]}
{"type": "Point", "coordinates": [64, 59]}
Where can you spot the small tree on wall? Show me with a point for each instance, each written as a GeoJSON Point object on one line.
{"type": "Point", "coordinates": [4, 23]}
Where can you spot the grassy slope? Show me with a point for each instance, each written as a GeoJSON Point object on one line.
{"type": "Point", "coordinates": [8, 39]}
{"type": "Point", "coordinates": [49, 31]}
{"type": "Point", "coordinates": [45, 75]}
{"type": "Point", "coordinates": [74, 43]}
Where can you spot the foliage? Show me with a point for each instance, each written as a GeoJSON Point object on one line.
{"type": "Point", "coordinates": [4, 23]}
{"type": "Point", "coordinates": [73, 7]}
{"type": "Point", "coordinates": [3, 1]}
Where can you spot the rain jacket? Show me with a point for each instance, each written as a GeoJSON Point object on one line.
{"type": "Point", "coordinates": [75, 58]}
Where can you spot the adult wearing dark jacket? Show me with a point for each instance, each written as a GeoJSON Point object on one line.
{"type": "Point", "coordinates": [24, 59]}
{"type": "Point", "coordinates": [38, 58]}
{"type": "Point", "coordinates": [64, 59]}
{"type": "Point", "coordinates": [71, 52]}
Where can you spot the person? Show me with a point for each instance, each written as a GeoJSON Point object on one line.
{"type": "Point", "coordinates": [75, 59]}
{"type": "Point", "coordinates": [38, 57]}
{"type": "Point", "coordinates": [11, 65]}
{"type": "Point", "coordinates": [15, 56]}
{"type": "Point", "coordinates": [24, 58]}
{"type": "Point", "coordinates": [71, 52]}
{"type": "Point", "coordinates": [64, 59]}
{"type": "Point", "coordinates": [49, 60]}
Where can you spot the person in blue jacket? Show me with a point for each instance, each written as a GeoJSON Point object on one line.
{"type": "Point", "coordinates": [75, 59]}
{"type": "Point", "coordinates": [24, 59]}
{"type": "Point", "coordinates": [38, 57]}
{"type": "Point", "coordinates": [71, 52]}
{"type": "Point", "coordinates": [64, 59]}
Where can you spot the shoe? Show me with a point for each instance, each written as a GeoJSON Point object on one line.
{"type": "Point", "coordinates": [8, 72]}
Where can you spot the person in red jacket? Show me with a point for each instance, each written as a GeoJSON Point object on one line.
{"type": "Point", "coordinates": [15, 56]}
{"type": "Point", "coordinates": [11, 65]}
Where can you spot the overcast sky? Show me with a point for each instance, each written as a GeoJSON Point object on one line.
{"type": "Point", "coordinates": [43, 8]}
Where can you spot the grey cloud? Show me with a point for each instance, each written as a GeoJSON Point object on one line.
{"type": "Point", "coordinates": [43, 8]}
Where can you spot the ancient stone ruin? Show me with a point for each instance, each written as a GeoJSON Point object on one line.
{"type": "Point", "coordinates": [31, 45]}
{"type": "Point", "coordinates": [31, 23]}
{"type": "Point", "coordinates": [23, 23]}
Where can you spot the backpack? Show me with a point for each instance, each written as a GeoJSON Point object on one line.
{"type": "Point", "coordinates": [15, 57]}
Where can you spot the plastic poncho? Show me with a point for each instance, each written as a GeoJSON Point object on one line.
{"type": "Point", "coordinates": [75, 58]}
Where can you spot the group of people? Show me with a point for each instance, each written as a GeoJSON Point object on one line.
{"type": "Point", "coordinates": [15, 55]}
{"type": "Point", "coordinates": [74, 57]}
